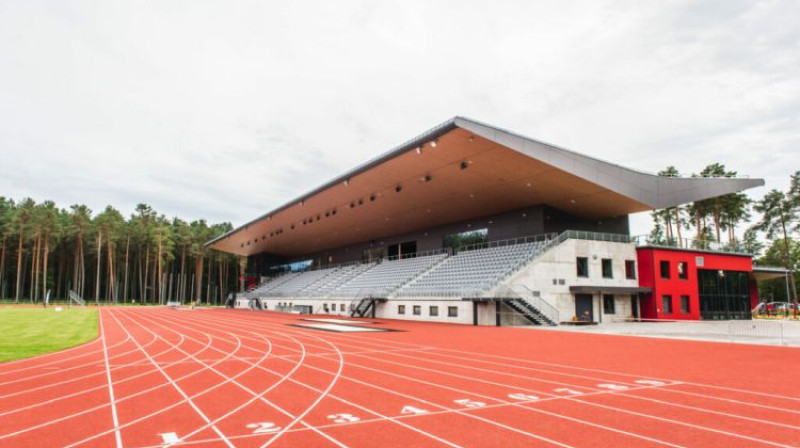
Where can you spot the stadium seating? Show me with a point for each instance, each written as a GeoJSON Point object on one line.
{"type": "Point", "coordinates": [384, 278]}
{"type": "Point", "coordinates": [472, 271]}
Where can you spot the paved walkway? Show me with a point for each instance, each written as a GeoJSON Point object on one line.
{"type": "Point", "coordinates": [786, 333]}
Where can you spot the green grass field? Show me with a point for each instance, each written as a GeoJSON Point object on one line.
{"type": "Point", "coordinates": [26, 332]}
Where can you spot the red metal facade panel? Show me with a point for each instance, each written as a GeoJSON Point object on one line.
{"type": "Point", "coordinates": [649, 260]}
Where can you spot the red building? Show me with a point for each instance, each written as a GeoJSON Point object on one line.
{"type": "Point", "coordinates": [693, 284]}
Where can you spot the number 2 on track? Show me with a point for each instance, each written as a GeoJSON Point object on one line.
{"type": "Point", "coordinates": [169, 439]}
{"type": "Point", "coordinates": [264, 427]}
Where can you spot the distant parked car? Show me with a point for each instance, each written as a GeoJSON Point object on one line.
{"type": "Point", "coordinates": [775, 308]}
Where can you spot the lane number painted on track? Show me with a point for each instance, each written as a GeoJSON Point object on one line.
{"type": "Point", "coordinates": [343, 418]}
{"type": "Point", "coordinates": [169, 438]}
{"type": "Point", "coordinates": [264, 427]}
{"type": "Point", "coordinates": [523, 397]}
{"type": "Point", "coordinates": [567, 391]}
{"type": "Point", "coordinates": [613, 386]}
{"type": "Point", "coordinates": [467, 403]}
{"type": "Point", "coordinates": [650, 382]}
{"type": "Point", "coordinates": [413, 410]}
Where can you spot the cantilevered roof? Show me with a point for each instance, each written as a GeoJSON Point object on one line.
{"type": "Point", "coordinates": [460, 170]}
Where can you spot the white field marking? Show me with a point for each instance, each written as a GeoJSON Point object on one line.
{"type": "Point", "coordinates": [413, 410]}
{"type": "Point", "coordinates": [709, 429]}
{"type": "Point", "coordinates": [60, 370]}
{"type": "Point", "coordinates": [381, 417]}
{"type": "Point", "coordinates": [339, 328]}
{"type": "Point", "coordinates": [434, 351]}
{"type": "Point", "coordinates": [315, 403]}
{"type": "Point", "coordinates": [256, 396]}
{"type": "Point", "coordinates": [117, 435]}
{"type": "Point", "coordinates": [577, 399]}
{"type": "Point", "coordinates": [177, 388]}
{"type": "Point", "coordinates": [169, 438]}
{"type": "Point", "coordinates": [89, 410]}
{"type": "Point", "coordinates": [340, 321]}
{"type": "Point", "coordinates": [492, 422]}
{"type": "Point", "coordinates": [174, 405]}
{"type": "Point", "coordinates": [71, 380]}
{"type": "Point", "coordinates": [572, 392]}
{"type": "Point", "coordinates": [711, 386]}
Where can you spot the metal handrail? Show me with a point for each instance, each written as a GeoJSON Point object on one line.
{"type": "Point", "coordinates": [691, 244]}
{"type": "Point", "coordinates": [507, 242]}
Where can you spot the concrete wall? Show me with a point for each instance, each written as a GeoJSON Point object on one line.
{"type": "Point", "coordinates": [552, 274]}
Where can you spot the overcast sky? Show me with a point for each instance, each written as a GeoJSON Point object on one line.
{"type": "Point", "coordinates": [225, 109]}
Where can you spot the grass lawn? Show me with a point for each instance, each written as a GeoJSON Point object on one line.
{"type": "Point", "coordinates": [26, 332]}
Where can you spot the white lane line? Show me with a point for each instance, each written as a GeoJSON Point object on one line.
{"type": "Point", "coordinates": [614, 408]}
{"type": "Point", "coordinates": [204, 324]}
{"type": "Point", "coordinates": [117, 435]}
{"type": "Point", "coordinates": [177, 388]}
{"type": "Point", "coordinates": [260, 396]}
{"type": "Point", "coordinates": [460, 412]}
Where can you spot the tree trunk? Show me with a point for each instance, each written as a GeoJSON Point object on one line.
{"type": "Point", "coordinates": [19, 266]}
{"type": "Point", "coordinates": [44, 271]}
{"type": "Point", "coordinates": [97, 277]}
{"type": "Point", "coordinates": [112, 285]}
{"type": "Point", "coordinates": [125, 284]}
{"type": "Point", "coordinates": [160, 279]}
{"type": "Point", "coordinates": [788, 261]}
{"type": "Point", "coordinates": [678, 224]}
{"type": "Point", "coordinates": [3, 267]}
{"type": "Point", "coordinates": [198, 278]}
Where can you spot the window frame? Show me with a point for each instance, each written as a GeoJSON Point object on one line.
{"type": "Point", "coordinates": [687, 301]}
{"type": "Point", "coordinates": [683, 273]}
{"type": "Point", "coordinates": [665, 274]}
{"type": "Point", "coordinates": [630, 269]}
{"type": "Point", "coordinates": [613, 303]}
{"type": "Point", "coordinates": [401, 310]}
{"type": "Point", "coordinates": [585, 262]}
{"type": "Point", "coordinates": [452, 311]}
{"type": "Point", "coordinates": [607, 262]}
{"type": "Point", "coordinates": [416, 310]}
{"type": "Point", "coordinates": [433, 310]}
{"type": "Point", "coordinates": [666, 304]}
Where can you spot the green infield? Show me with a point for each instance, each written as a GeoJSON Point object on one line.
{"type": "Point", "coordinates": [26, 332]}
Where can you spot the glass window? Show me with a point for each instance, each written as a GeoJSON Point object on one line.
{"type": "Point", "coordinates": [583, 266]}
{"type": "Point", "coordinates": [608, 304]}
{"type": "Point", "coordinates": [417, 310]}
{"type": "Point", "coordinates": [683, 270]}
{"type": "Point", "coordinates": [666, 304]}
{"type": "Point", "coordinates": [665, 269]}
{"type": "Point", "coordinates": [630, 269]}
{"type": "Point", "coordinates": [685, 304]}
{"type": "Point", "coordinates": [433, 311]}
{"type": "Point", "coordinates": [341, 307]}
{"type": "Point", "coordinates": [401, 309]}
{"type": "Point", "coordinates": [608, 271]}
{"type": "Point", "coordinates": [452, 311]}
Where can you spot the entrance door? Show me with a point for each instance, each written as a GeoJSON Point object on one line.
{"type": "Point", "coordinates": [584, 307]}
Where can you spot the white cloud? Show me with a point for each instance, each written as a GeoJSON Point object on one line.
{"type": "Point", "coordinates": [225, 110]}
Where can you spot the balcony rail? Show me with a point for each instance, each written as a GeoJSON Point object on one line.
{"type": "Point", "coordinates": [736, 247]}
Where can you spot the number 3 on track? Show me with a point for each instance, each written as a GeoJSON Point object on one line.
{"type": "Point", "coordinates": [264, 427]}
{"type": "Point", "coordinates": [343, 418]}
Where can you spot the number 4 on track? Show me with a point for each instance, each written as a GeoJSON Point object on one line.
{"type": "Point", "coordinates": [169, 438]}
{"type": "Point", "coordinates": [413, 410]}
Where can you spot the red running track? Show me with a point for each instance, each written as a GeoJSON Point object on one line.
{"type": "Point", "coordinates": [222, 378]}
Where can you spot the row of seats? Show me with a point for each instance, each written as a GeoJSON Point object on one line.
{"type": "Point", "coordinates": [468, 271]}
{"type": "Point", "coordinates": [472, 271]}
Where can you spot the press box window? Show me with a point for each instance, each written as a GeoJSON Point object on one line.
{"type": "Point", "coordinates": [666, 304]}
{"type": "Point", "coordinates": [452, 311]}
{"type": "Point", "coordinates": [630, 269]}
{"type": "Point", "coordinates": [417, 310]}
{"type": "Point", "coordinates": [608, 271]}
{"type": "Point", "coordinates": [433, 311]}
{"type": "Point", "coordinates": [401, 309]}
{"type": "Point", "coordinates": [583, 266]}
{"type": "Point", "coordinates": [608, 304]}
{"type": "Point", "coordinates": [685, 305]}
{"type": "Point", "coordinates": [664, 269]}
{"type": "Point", "coordinates": [683, 270]}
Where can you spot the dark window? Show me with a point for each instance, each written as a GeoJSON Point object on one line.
{"type": "Point", "coordinates": [666, 304]}
{"type": "Point", "coordinates": [608, 304]}
{"type": "Point", "coordinates": [723, 294]}
{"type": "Point", "coordinates": [685, 304]}
{"type": "Point", "coordinates": [401, 309]}
{"type": "Point", "coordinates": [665, 269]}
{"type": "Point", "coordinates": [630, 269]}
{"type": "Point", "coordinates": [452, 311]}
{"type": "Point", "coordinates": [683, 270]}
{"type": "Point", "coordinates": [417, 310]}
{"type": "Point", "coordinates": [583, 266]}
{"type": "Point", "coordinates": [608, 271]}
{"type": "Point", "coordinates": [341, 307]}
{"type": "Point", "coordinates": [433, 311]}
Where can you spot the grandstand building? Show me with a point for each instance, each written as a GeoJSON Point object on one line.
{"type": "Point", "coordinates": [466, 223]}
